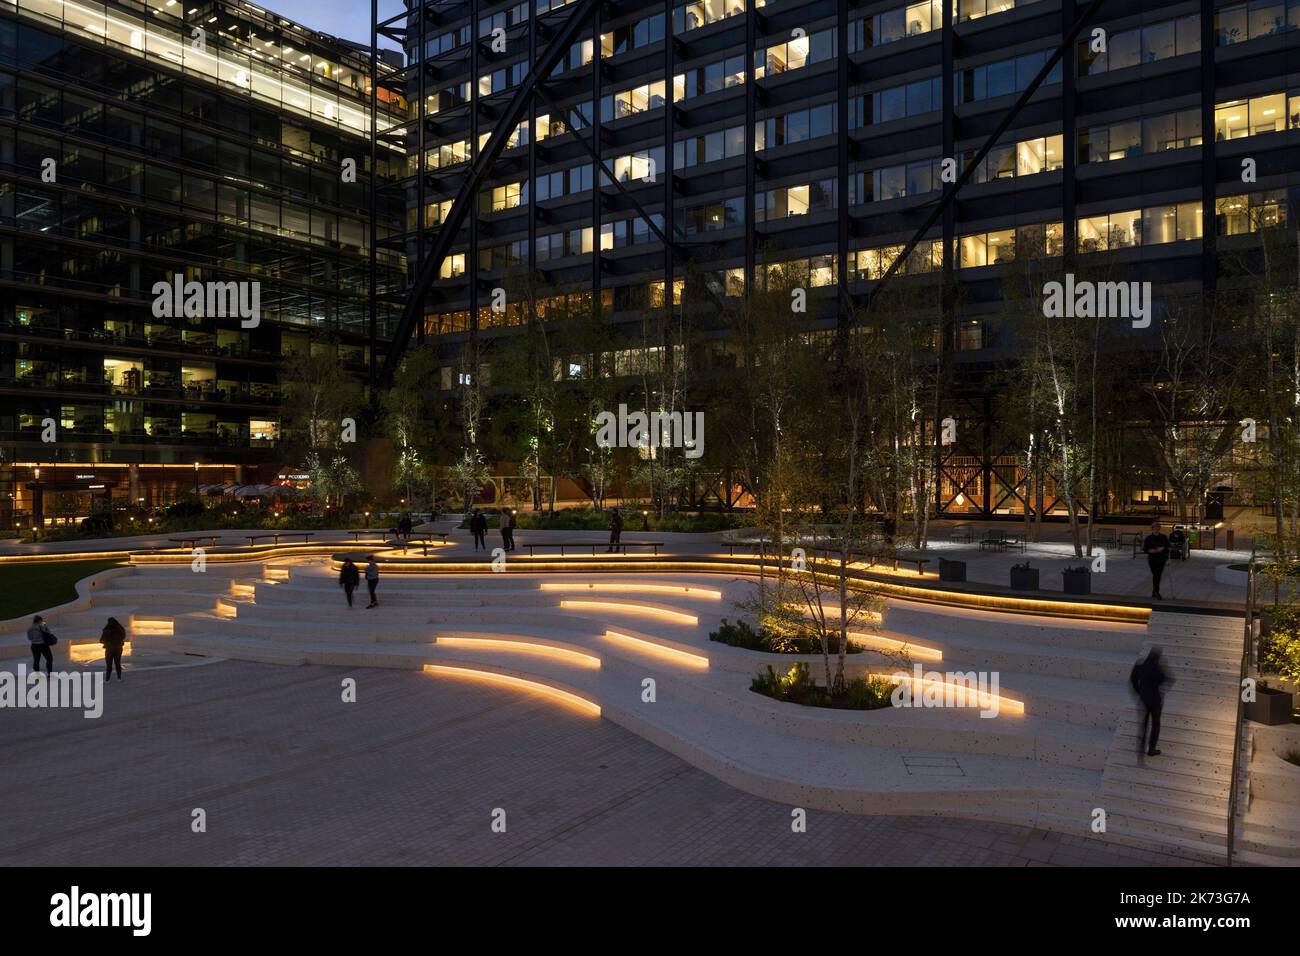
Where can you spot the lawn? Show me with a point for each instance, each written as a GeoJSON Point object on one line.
{"type": "Point", "coordinates": [28, 588]}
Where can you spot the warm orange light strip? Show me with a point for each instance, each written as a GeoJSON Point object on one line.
{"type": "Point", "coordinates": [153, 627]}
{"type": "Point", "coordinates": [875, 641]}
{"type": "Point", "coordinates": [670, 653]}
{"type": "Point", "coordinates": [242, 590]}
{"type": "Point", "coordinates": [525, 647]}
{"type": "Point", "coordinates": [958, 691]}
{"type": "Point", "coordinates": [618, 586]}
{"type": "Point", "coordinates": [491, 677]}
{"type": "Point", "coordinates": [81, 653]}
{"type": "Point", "coordinates": [678, 616]}
{"type": "Point", "coordinates": [226, 609]}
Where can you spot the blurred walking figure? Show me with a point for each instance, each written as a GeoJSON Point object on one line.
{"type": "Point", "coordinates": [1150, 680]}
{"type": "Point", "coordinates": [349, 578]}
{"type": "Point", "coordinates": [404, 528]}
{"type": "Point", "coordinates": [113, 637]}
{"type": "Point", "coordinates": [372, 581]}
{"type": "Point", "coordinates": [41, 640]}
{"type": "Point", "coordinates": [615, 529]}
{"type": "Point", "coordinates": [478, 528]}
{"type": "Point", "coordinates": [514, 523]}
{"type": "Point", "coordinates": [1156, 547]}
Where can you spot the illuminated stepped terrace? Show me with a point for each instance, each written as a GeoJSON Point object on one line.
{"type": "Point", "coordinates": [1061, 746]}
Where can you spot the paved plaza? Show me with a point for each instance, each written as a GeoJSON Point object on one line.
{"type": "Point", "coordinates": [410, 774]}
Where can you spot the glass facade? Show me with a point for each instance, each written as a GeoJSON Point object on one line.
{"type": "Point", "coordinates": [130, 155]}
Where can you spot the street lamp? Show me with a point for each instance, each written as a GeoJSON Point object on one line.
{"type": "Point", "coordinates": [196, 476]}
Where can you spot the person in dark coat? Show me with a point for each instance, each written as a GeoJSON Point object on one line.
{"type": "Point", "coordinates": [478, 528]}
{"type": "Point", "coordinates": [349, 578]}
{"type": "Point", "coordinates": [615, 529]}
{"type": "Point", "coordinates": [1156, 547]}
{"type": "Point", "coordinates": [1149, 681]}
{"type": "Point", "coordinates": [113, 637]}
{"type": "Point", "coordinates": [404, 528]}
{"type": "Point", "coordinates": [514, 523]}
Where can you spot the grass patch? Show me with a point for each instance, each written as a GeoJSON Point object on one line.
{"type": "Point", "coordinates": [28, 588]}
{"type": "Point", "coordinates": [741, 634]}
{"type": "Point", "coordinates": [798, 687]}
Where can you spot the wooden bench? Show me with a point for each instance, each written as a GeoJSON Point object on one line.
{"type": "Point", "coordinates": [358, 532]}
{"type": "Point", "coordinates": [963, 533]}
{"type": "Point", "coordinates": [593, 545]}
{"type": "Point", "coordinates": [276, 535]}
{"type": "Point", "coordinates": [192, 541]}
{"type": "Point", "coordinates": [424, 538]}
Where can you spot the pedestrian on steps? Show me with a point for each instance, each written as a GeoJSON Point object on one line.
{"type": "Point", "coordinates": [113, 637]}
{"type": "Point", "coordinates": [372, 581]}
{"type": "Point", "coordinates": [349, 578]}
{"type": "Point", "coordinates": [1149, 681]}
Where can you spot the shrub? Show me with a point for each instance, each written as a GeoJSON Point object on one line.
{"type": "Point", "coordinates": [1293, 756]}
{"type": "Point", "coordinates": [741, 634]}
{"type": "Point", "coordinates": [1279, 653]}
{"type": "Point", "coordinates": [796, 686]}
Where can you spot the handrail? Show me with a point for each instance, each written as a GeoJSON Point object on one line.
{"type": "Point", "coordinates": [1247, 642]}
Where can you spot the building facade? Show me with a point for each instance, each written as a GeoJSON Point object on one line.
{"type": "Point", "coordinates": [145, 141]}
{"type": "Point", "coordinates": [818, 132]}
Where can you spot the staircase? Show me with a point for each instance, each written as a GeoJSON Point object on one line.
{"type": "Point", "coordinates": [1179, 800]}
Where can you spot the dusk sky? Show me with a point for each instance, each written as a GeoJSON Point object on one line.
{"type": "Point", "coordinates": [349, 19]}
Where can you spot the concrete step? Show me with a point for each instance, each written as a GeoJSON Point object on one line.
{"type": "Point", "coordinates": [1179, 760]}
{"type": "Point", "coordinates": [1150, 781]}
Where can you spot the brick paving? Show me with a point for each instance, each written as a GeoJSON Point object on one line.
{"type": "Point", "coordinates": [411, 774]}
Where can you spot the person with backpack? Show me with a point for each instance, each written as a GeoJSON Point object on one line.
{"type": "Point", "coordinates": [372, 581]}
{"type": "Point", "coordinates": [113, 637]}
{"type": "Point", "coordinates": [39, 636]}
{"type": "Point", "coordinates": [1149, 680]}
{"type": "Point", "coordinates": [349, 578]}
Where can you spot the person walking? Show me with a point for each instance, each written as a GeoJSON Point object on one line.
{"type": "Point", "coordinates": [39, 636]}
{"type": "Point", "coordinates": [404, 528]}
{"type": "Point", "coordinates": [478, 528]}
{"type": "Point", "coordinates": [113, 637]}
{"type": "Point", "coordinates": [349, 578]}
{"type": "Point", "coordinates": [1156, 547]}
{"type": "Point", "coordinates": [514, 523]}
{"type": "Point", "coordinates": [372, 581]}
{"type": "Point", "coordinates": [615, 529]}
{"type": "Point", "coordinates": [1149, 681]}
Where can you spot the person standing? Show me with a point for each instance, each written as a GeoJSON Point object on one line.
{"type": "Point", "coordinates": [514, 523]}
{"type": "Point", "coordinates": [372, 581]}
{"type": "Point", "coordinates": [506, 543]}
{"type": "Point", "coordinates": [478, 528]}
{"type": "Point", "coordinates": [1156, 547]}
{"type": "Point", "coordinates": [113, 637]}
{"type": "Point", "coordinates": [615, 529]}
{"type": "Point", "coordinates": [1149, 680]}
{"type": "Point", "coordinates": [39, 636]}
{"type": "Point", "coordinates": [349, 578]}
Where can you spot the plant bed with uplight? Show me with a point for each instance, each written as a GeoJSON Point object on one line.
{"type": "Point", "coordinates": [798, 687]}
{"type": "Point", "coordinates": [740, 634]}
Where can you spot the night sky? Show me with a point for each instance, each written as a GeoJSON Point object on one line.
{"type": "Point", "coordinates": [349, 19]}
